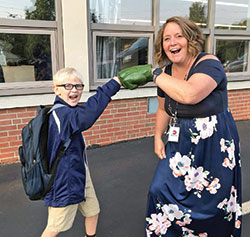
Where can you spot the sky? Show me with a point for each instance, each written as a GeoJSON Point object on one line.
{"type": "Point", "coordinates": [14, 7]}
{"type": "Point", "coordinates": [227, 11]}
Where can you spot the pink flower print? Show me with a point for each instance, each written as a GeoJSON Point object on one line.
{"type": "Point", "coordinates": [237, 224]}
{"type": "Point", "coordinates": [232, 202]}
{"type": "Point", "coordinates": [149, 233]}
{"type": "Point", "coordinates": [187, 232]}
{"type": "Point", "coordinates": [206, 126]}
{"type": "Point", "coordinates": [194, 137]}
{"type": "Point", "coordinates": [229, 147]}
{"type": "Point", "coordinates": [179, 164]}
{"type": "Point", "coordinates": [222, 204]}
{"type": "Point", "coordinates": [230, 150]}
{"type": "Point", "coordinates": [203, 235]}
{"type": "Point", "coordinates": [196, 179]}
{"type": "Point", "coordinates": [172, 211]}
{"type": "Point", "coordinates": [228, 164]}
{"type": "Point", "coordinates": [158, 223]}
{"type": "Point", "coordinates": [195, 140]}
{"type": "Point", "coordinates": [222, 145]}
{"type": "Point", "coordinates": [231, 206]}
{"type": "Point", "coordinates": [213, 186]}
{"type": "Point", "coordinates": [186, 220]}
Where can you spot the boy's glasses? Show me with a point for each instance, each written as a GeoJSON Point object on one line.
{"type": "Point", "coordinates": [69, 86]}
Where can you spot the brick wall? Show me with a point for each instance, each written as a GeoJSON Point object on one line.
{"type": "Point", "coordinates": [239, 103]}
{"type": "Point", "coordinates": [122, 120]}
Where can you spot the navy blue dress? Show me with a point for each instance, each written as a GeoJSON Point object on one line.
{"type": "Point", "coordinates": [196, 190]}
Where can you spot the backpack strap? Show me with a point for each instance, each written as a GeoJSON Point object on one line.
{"type": "Point", "coordinates": [56, 106]}
{"type": "Point", "coordinates": [66, 144]}
{"type": "Point", "coordinates": [61, 151]}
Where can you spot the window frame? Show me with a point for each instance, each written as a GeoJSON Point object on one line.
{"type": "Point", "coordinates": [228, 35]}
{"type": "Point", "coordinates": [104, 29]}
{"type": "Point", "coordinates": [210, 32]}
{"type": "Point", "coordinates": [98, 81]}
{"type": "Point", "coordinates": [40, 27]}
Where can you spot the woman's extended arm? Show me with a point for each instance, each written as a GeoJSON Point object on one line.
{"type": "Point", "coordinates": [197, 88]}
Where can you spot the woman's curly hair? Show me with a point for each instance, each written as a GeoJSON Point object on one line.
{"type": "Point", "coordinates": [190, 31]}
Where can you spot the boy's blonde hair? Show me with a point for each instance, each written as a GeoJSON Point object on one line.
{"type": "Point", "coordinates": [67, 72]}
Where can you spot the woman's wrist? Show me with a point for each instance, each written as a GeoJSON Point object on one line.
{"type": "Point", "coordinates": [158, 137]}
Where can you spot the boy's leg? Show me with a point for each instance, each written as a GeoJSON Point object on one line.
{"type": "Point", "coordinates": [47, 233]}
{"type": "Point", "coordinates": [90, 207]}
{"type": "Point", "coordinates": [91, 224]}
{"type": "Point", "coordinates": [59, 219]}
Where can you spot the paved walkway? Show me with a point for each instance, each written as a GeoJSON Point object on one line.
{"type": "Point", "coordinates": [122, 173]}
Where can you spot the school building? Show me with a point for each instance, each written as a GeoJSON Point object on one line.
{"type": "Point", "coordinates": [99, 38]}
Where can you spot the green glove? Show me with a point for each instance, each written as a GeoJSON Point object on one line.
{"type": "Point", "coordinates": [135, 76]}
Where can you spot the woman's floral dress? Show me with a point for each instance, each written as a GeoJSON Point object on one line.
{"type": "Point", "coordinates": [196, 190]}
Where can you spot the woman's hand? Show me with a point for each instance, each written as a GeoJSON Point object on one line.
{"type": "Point", "coordinates": [161, 123]}
{"type": "Point", "coordinates": [160, 149]}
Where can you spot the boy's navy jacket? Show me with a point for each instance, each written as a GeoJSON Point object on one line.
{"type": "Point", "coordinates": [69, 184]}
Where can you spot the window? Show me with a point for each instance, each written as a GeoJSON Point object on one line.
{"type": "Point", "coordinates": [231, 36]}
{"type": "Point", "coordinates": [123, 32]}
{"type": "Point", "coordinates": [121, 12]}
{"type": "Point", "coordinates": [23, 9]}
{"type": "Point", "coordinates": [233, 54]}
{"type": "Point", "coordinates": [28, 39]}
{"type": "Point", "coordinates": [25, 57]}
{"type": "Point", "coordinates": [121, 36]}
{"type": "Point", "coordinates": [194, 10]}
{"type": "Point", "coordinates": [232, 15]}
{"type": "Point", "coordinates": [114, 52]}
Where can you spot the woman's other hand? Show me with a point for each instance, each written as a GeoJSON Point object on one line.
{"type": "Point", "coordinates": [162, 120]}
{"type": "Point", "coordinates": [160, 149]}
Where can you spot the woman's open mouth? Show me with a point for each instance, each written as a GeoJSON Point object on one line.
{"type": "Point", "coordinates": [175, 51]}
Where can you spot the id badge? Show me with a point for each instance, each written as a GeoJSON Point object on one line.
{"type": "Point", "coordinates": [174, 133]}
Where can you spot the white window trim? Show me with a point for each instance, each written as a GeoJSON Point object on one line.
{"type": "Point", "coordinates": [23, 101]}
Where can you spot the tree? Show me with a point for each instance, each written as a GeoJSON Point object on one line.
{"type": "Point", "coordinates": [197, 13]}
{"type": "Point", "coordinates": [45, 10]}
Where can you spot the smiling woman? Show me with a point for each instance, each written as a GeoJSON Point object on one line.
{"type": "Point", "coordinates": [200, 162]}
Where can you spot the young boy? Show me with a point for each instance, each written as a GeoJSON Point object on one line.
{"type": "Point", "coordinates": [72, 188]}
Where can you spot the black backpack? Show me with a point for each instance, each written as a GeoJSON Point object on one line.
{"type": "Point", "coordinates": [37, 177]}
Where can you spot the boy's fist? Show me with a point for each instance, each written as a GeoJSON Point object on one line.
{"type": "Point", "coordinates": [135, 76]}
